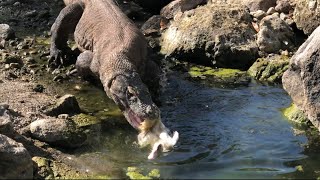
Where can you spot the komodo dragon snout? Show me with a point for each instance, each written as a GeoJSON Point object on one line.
{"type": "Point", "coordinates": [134, 100]}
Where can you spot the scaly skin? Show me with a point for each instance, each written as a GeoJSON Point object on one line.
{"type": "Point", "coordinates": [113, 50]}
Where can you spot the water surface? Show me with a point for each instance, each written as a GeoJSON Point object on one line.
{"type": "Point", "coordinates": [224, 133]}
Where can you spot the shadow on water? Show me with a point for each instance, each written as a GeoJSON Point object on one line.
{"type": "Point", "coordinates": [224, 133]}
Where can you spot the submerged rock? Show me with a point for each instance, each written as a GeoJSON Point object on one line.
{"type": "Point", "coordinates": [15, 161]}
{"type": "Point", "coordinates": [43, 168]}
{"type": "Point", "coordinates": [307, 15]}
{"type": "Point", "coordinates": [301, 80]}
{"type": "Point", "coordinates": [61, 132]}
{"type": "Point", "coordinates": [269, 69]}
{"type": "Point", "coordinates": [67, 104]}
{"type": "Point", "coordinates": [214, 34]}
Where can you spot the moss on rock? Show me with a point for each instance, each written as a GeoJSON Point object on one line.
{"type": "Point", "coordinates": [295, 115]}
{"type": "Point", "coordinates": [83, 120]}
{"type": "Point", "coordinates": [269, 69]}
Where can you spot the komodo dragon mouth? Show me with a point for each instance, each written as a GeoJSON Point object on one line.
{"type": "Point", "coordinates": [134, 100]}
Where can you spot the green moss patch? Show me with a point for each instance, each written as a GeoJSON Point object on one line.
{"type": "Point", "coordinates": [295, 115]}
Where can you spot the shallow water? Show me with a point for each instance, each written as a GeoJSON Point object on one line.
{"type": "Point", "coordinates": [224, 133]}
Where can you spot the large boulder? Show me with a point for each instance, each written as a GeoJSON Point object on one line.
{"type": "Point", "coordinates": [307, 15]}
{"type": "Point", "coordinates": [61, 132]}
{"type": "Point", "coordinates": [301, 80]}
{"type": "Point", "coordinates": [15, 160]}
{"type": "Point", "coordinates": [214, 34]}
{"type": "Point", "coordinates": [274, 34]}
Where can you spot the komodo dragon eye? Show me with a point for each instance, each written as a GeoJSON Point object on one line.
{"type": "Point", "coordinates": [131, 93]}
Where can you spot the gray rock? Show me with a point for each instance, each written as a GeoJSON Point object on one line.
{"type": "Point", "coordinates": [6, 32]}
{"type": "Point", "coordinates": [11, 58]}
{"type": "Point", "coordinates": [15, 161]}
{"type": "Point", "coordinates": [151, 30]}
{"type": "Point", "coordinates": [173, 8]}
{"type": "Point", "coordinates": [61, 132]}
{"type": "Point", "coordinates": [213, 34]}
{"type": "Point", "coordinates": [255, 5]}
{"type": "Point", "coordinates": [284, 6]}
{"type": "Point", "coordinates": [259, 14]}
{"type": "Point", "coordinates": [274, 34]}
{"type": "Point", "coordinates": [301, 80]}
{"type": "Point", "coordinates": [67, 104]}
{"type": "Point", "coordinates": [306, 15]}
{"type": "Point", "coordinates": [6, 127]}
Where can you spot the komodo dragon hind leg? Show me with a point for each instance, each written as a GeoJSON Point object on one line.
{"type": "Point", "coordinates": [64, 25]}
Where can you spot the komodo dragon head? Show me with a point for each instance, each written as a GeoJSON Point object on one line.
{"type": "Point", "coordinates": [134, 100]}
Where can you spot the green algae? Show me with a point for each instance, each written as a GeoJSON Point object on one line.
{"type": "Point", "coordinates": [83, 120]}
{"type": "Point", "coordinates": [295, 115]}
{"type": "Point", "coordinates": [198, 71]}
{"type": "Point", "coordinates": [136, 173]}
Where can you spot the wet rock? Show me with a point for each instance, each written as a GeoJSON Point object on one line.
{"type": "Point", "coordinates": [67, 104]}
{"type": "Point", "coordinates": [301, 80]}
{"type": "Point", "coordinates": [6, 32]}
{"type": "Point", "coordinates": [306, 15]}
{"type": "Point", "coordinates": [274, 34]}
{"type": "Point", "coordinates": [213, 34]}
{"type": "Point", "coordinates": [60, 132]}
{"type": "Point", "coordinates": [294, 114]}
{"type": "Point", "coordinates": [269, 69]}
{"type": "Point", "coordinates": [38, 88]}
{"type": "Point", "coordinates": [43, 169]}
{"type": "Point", "coordinates": [15, 161]}
{"type": "Point", "coordinates": [283, 6]}
{"type": "Point", "coordinates": [255, 5]}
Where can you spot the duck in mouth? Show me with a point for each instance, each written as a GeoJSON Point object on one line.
{"type": "Point", "coordinates": [134, 100]}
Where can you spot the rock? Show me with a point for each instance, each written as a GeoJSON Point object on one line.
{"type": "Point", "coordinates": [153, 6]}
{"type": "Point", "coordinates": [259, 14]}
{"type": "Point", "coordinates": [294, 114]}
{"type": "Point", "coordinates": [213, 34]}
{"type": "Point", "coordinates": [151, 30]}
{"type": "Point", "coordinates": [15, 161]}
{"type": "Point", "coordinates": [67, 104]}
{"type": "Point", "coordinates": [269, 69]}
{"type": "Point", "coordinates": [271, 11]}
{"type": "Point", "coordinates": [255, 5]}
{"type": "Point", "coordinates": [11, 58]}
{"type": "Point", "coordinates": [6, 32]}
{"type": "Point", "coordinates": [60, 132]}
{"type": "Point", "coordinates": [173, 8]}
{"type": "Point", "coordinates": [301, 80]}
{"type": "Point", "coordinates": [283, 6]}
{"type": "Point", "coordinates": [306, 15]}
{"type": "Point", "coordinates": [38, 88]}
{"type": "Point", "coordinates": [31, 13]}
{"type": "Point", "coordinates": [274, 35]}
{"type": "Point", "coordinates": [6, 126]}
{"type": "Point", "coordinates": [43, 168]}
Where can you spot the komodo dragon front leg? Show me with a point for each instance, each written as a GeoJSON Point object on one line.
{"type": "Point", "coordinates": [64, 25]}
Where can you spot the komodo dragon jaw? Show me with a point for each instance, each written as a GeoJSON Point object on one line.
{"type": "Point", "coordinates": [134, 100]}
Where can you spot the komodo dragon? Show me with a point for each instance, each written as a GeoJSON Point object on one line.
{"type": "Point", "coordinates": [113, 50]}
